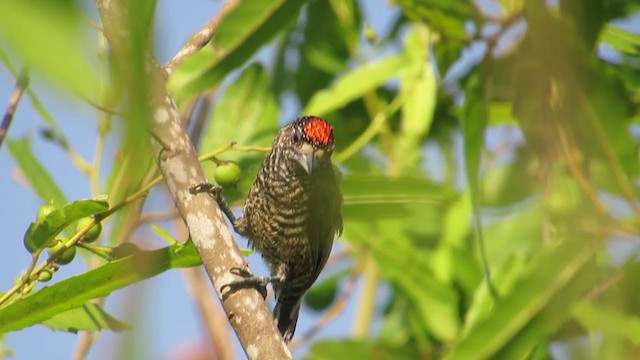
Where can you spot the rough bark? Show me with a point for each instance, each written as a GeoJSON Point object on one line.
{"type": "Point", "coordinates": [178, 162]}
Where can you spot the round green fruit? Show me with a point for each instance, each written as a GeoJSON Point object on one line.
{"type": "Point", "coordinates": [93, 233]}
{"type": "Point", "coordinates": [45, 275]}
{"type": "Point", "coordinates": [227, 173]}
{"type": "Point", "coordinates": [44, 211]}
{"type": "Point", "coordinates": [67, 256]}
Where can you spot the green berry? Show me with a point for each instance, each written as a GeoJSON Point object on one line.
{"type": "Point", "coordinates": [45, 275]}
{"type": "Point", "coordinates": [227, 173]}
{"type": "Point", "coordinates": [44, 211]}
{"type": "Point", "coordinates": [93, 233]}
{"type": "Point", "coordinates": [67, 256]}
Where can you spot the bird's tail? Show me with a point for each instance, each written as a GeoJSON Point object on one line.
{"type": "Point", "coordinates": [286, 315]}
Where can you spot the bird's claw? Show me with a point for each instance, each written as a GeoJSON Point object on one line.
{"type": "Point", "coordinates": [205, 187]}
{"type": "Point", "coordinates": [249, 281]}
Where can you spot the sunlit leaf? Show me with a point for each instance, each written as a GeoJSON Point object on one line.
{"type": "Point", "coordinates": [40, 232]}
{"type": "Point", "coordinates": [77, 290]}
{"type": "Point", "coordinates": [368, 197]}
{"type": "Point", "coordinates": [445, 16]}
{"type": "Point", "coordinates": [247, 113]}
{"type": "Point", "coordinates": [549, 273]}
{"type": "Point", "coordinates": [355, 84]}
{"type": "Point", "coordinates": [608, 320]}
{"type": "Point", "coordinates": [355, 349]}
{"type": "Point", "coordinates": [620, 39]}
{"type": "Point", "coordinates": [88, 317]}
{"type": "Point", "coordinates": [65, 55]}
{"type": "Point", "coordinates": [244, 30]}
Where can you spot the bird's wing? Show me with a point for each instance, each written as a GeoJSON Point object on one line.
{"type": "Point", "coordinates": [325, 216]}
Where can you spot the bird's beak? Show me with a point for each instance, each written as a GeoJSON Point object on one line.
{"type": "Point", "coordinates": [308, 162]}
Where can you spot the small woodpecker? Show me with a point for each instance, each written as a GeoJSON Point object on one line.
{"type": "Point", "coordinates": [292, 214]}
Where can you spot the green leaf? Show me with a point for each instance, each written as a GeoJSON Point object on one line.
{"type": "Point", "coordinates": [247, 113]}
{"type": "Point", "coordinates": [523, 223]}
{"type": "Point", "coordinates": [434, 301]}
{"type": "Point", "coordinates": [555, 268]}
{"type": "Point", "coordinates": [88, 317]}
{"type": "Point", "coordinates": [457, 222]}
{"type": "Point", "coordinates": [418, 84]}
{"type": "Point", "coordinates": [52, 43]}
{"type": "Point", "coordinates": [76, 291]}
{"type": "Point", "coordinates": [355, 84]}
{"type": "Point", "coordinates": [445, 16]}
{"type": "Point", "coordinates": [608, 321]}
{"type": "Point", "coordinates": [242, 32]}
{"type": "Point", "coordinates": [164, 234]}
{"type": "Point", "coordinates": [359, 349]}
{"type": "Point", "coordinates": [323, 294]}
{"type": "Point", "coordinates": [542, 326]}
{"type": "Point", "coordinates": [501, 113]}
{"type": "Point", "coordinates": [506, 274]}
{"type": "Point", "coordinates": [368, 197]}
{"type": "Point", "coordinates": [40, 232]}
{"type": "Point", "coordinates": [322, 54]}
{"type": "Point", "coordinates": [39, 178]}
{"type": "Point", "coordinates": [474, 122]}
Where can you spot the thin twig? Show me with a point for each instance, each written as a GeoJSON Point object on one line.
{"type": "Point", "coordinates": [602, 287]}
{"type": "Point", "coordinates": [574, 169]}
{"type": "Point", "coordinates": [103, 108]}
{"type": "Point", "coordinates": [21, 84]}
{"type": "Point", "coordinates": [157, 216]}
{"type": "Point", "coordinates": [201, 38]}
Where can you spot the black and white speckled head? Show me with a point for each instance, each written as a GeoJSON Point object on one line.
{"type": "Point", "coordinates": [307, 143]}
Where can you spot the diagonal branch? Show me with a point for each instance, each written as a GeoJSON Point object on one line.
{"type": "Point", "coordinates": [178, 162]}
{"type": "Point", "coordinates": [21, 86]}
{"type": "Point", "coordinates": [201, 38]}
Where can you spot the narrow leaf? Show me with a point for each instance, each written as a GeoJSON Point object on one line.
{"type": "Point", "coordinates": [88, 317]}
{"type": "Point", "coordinates": [368, 197]}
{"type": "Point", "coordinates": [621, 40]}
{"type": "Point", "coordinates": [608, 321]}
{"type": "Point", "coordinates": [359, 349]}
{"type": "Point", "coordinates": [356, 83]}
{"type": "Point", "coordinates": [244, 30]}
{"type": "Point", "coordinates": [552, 270]}
{"type": "Point", "coordinates": [76, 291]}
{"type": "Point", "coordinates": [65, 55]}
{"type": "Point", "coordinates": [39, 178]}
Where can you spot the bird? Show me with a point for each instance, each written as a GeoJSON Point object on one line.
{"type": "Point", "coordinates": [291, 215]}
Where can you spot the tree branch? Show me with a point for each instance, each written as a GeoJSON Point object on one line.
{"type": "Point", "coordinates": [245, 308]}
{"type": "Point", "coordinates": [21, 86]}
{"type": "Point", "coordinates": [201, 38]}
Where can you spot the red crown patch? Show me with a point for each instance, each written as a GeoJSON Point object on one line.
{"type": "Point", "coordinates": [318, 131]}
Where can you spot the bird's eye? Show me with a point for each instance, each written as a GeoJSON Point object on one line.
{"type": "Point", "coordinates": [297, 136]}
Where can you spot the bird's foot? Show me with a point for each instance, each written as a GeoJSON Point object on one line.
{"type": "Point", "coordinates": [215, 191]}
{"type": "Point", "coordinates": [205, 187]}
{"type": "Point", "coordinates": [249, 281]}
